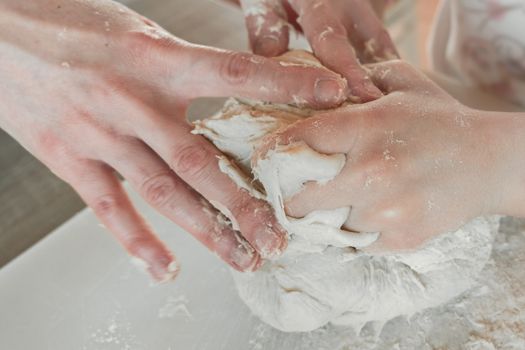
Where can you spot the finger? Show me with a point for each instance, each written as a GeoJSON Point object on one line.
{"type": "Point", "coordinates": [364, 192]}
{"type": "Point", "coordinates": [341, 191]}
{"type": "Point", "coordinates": [333, 132]}
{"type": "Point", "coordinates": [224, 73]}
{"type": "Point", "coordinates": [195, 161]}
{"type": "Point", "coordinates": [327, 132]}
{"type": "Point", "coordinates": [363, 183]}
{"type": "Point", "coordinates": [399, 76]}
{"type": "Point", "coordinates": [329, 41]}
{"type": "Point", "coordinates": [101, 190]}
{"type": "Point", "coordinates": [291, 16]}
{"type": "Point", "coordinates": [170, 196]}
{"type": "Point", "coordinates": [268, 29]}
{"type": "Point", "coordinates": [368, 34]}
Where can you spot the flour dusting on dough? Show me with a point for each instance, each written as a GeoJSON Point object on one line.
{"type": "Point", "coordinates": [323, 276]}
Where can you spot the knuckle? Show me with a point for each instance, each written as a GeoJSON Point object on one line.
{"type": "Point", "coordinates": [236, 68]}
{"type": "Point", "coordinates": [385, 67]}
{"type": "Point", "coordinates": [111, 86]}
{"type": "Point", "coordinates": [248, 211]}
{"type": "Point", "coordinates": [71, 170]}
{"type": "Point", "coordinates": [241, 203]}
{"type": "Point", "coordinates": [141, 47]}
{"type": "Point", "coordinates": [47, 141]}
{"type": "Point", "coordinates": [106, 206]}
{"type": "Point", "coordinates": [331, 34]}
{"type": "Point", "coordinates": [138, 243]}
{"type": "Point", "coordinates": [159, 189]}
{"type": "Point", "coordinates": [137, 47]}
{"type": "Point", "coordinates": [212, 236]}
{"type": "Point", "coordinates": [48, 146]}
{"type": "Point", "coordinates": [192, 161]}
{"type": "Point", "coordinates": [399, 65]}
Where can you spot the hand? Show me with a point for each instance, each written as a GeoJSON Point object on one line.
{"type": "Point", "coordinates": [342, 33]}
{"type": "Point", "coordinates": [92, 88]}
{"type": "Point", "coordinates": [419, 163]}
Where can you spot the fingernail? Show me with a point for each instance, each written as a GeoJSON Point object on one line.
{"type": "Point", "coordinates": [365, 93]}
{"type": "Point", "coordinates": [329, 91]}
{"type": "Point", "coordinates": [372, 90]}
{"type": "Point", "coordinates": [245, 258]}
{"type": "Point", "coordinates": [162, 272]}
{"type": "Point", "coordinates": [270, 242]}
{"type": "Point", "coordinates": [172, 270]}
{"type": "Point", "coordinates": [140, 264]}
{"type": "Point", "coordinates": [268, 45]}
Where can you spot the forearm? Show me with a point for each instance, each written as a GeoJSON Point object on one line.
{"type": "Point", "coordinates": [503, 136]}
{"type": "Point", "coordinates": [504, 133]}
{"type": "Point", "coordinates": [472, 96]}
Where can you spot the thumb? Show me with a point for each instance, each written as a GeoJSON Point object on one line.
{"type": "Point", "coordinates": [267, 25]}
{"type": "Point", "coordinates": [209, 72]}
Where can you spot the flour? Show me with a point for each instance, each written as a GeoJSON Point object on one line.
{"type": "Point", "coordinates": [171, 270]}
{"type": "Point", "coordinates": [116, 333]}
{"type": "Point", "coordinates": [230, 169]}
{"type": "Point", "coordinates": [259, 10]}
{"type": "Point", "coordinates": [175, 306]}
{"type": "Point", "coordinates": [323, 277]}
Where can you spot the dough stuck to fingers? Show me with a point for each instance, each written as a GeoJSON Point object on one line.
{"type": "Point", "coordinates": [325, 276]}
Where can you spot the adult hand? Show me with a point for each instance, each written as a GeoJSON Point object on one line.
{"type": "Point", "coordinates": [419, 163]}
{"type": "Point", "coordinates": [342, 34]}
{"type": "Point", "coordinates": [92, 88]}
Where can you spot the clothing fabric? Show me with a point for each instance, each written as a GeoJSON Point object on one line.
{"type": "Point", "coordinates": [482, 43]}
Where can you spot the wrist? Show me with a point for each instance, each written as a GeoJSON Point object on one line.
{"type": "Point", "coordinates": [502, 141]}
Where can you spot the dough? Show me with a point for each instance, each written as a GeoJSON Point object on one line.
{"type": "Point", "coordinates": [323, 277]}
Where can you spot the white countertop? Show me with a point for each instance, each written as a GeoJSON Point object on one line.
{"type": "Point", "coordinates": [77, 289]}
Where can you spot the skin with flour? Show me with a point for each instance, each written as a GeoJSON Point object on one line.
{"type": "Point", "coordinates": [418, 161]}
{"type": "Point", "coordinates": [92, 88]}
{"type": "Point", "coordinates": [325, 275]}
{"type": "Point", "coordinates": [409, 189]}
{"type": "Point", "coordinates": [343, 34]}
